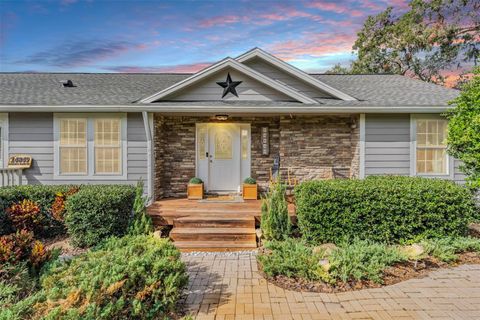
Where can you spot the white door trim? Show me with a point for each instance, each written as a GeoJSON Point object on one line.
{"type": "Point", "coordinates": [202, 163]}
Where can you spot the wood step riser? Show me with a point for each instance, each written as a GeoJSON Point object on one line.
{"type": "Point", "coordinates": [213, 237]}
{"type": "Point", "coordinates": [214, 224]}
{"type": "Point", "coordinates": [232, 249]}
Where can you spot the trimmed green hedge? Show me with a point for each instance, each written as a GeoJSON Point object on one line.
{"type": "Point", "coordinates": [98, 212]}
{"type": "Point", "coordinates": [388, 209]}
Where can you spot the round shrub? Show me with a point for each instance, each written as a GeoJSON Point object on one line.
{"type": "Point", "coordinates": [134, 277]}
{"type": "Point", "coordinates": [97, 212]}
{"type": "Point", "coordinates": [250, 180]}
{"type": "Point", "coordinates": [387, 209]}
{"type": "Point", "coordinates": [195, 180]}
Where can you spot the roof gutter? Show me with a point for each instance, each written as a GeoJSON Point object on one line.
{"type": "Point", "coordinates": [237, 109]}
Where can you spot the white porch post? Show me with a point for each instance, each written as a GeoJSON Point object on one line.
{"type": "Point", "coordinates": [362, 146]}
{"type": "Point", "coordinates": [150, 160]}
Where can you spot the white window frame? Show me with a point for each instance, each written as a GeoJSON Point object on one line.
{"type": "Point", "coordinates": [413, 149]}
{"type": "Point", "coordinates": [4, 140]}
{"type": "Point", "coordinates": [91, 175]}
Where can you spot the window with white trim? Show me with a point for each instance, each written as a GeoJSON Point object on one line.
{"type": "Point", "coordinates": [90, 146]}
{"type": "Point", "coordinates": [431, 153]}
{"type": "Point", "coordinates": [73, 146]}
{"type": "Point", "coordinates": [108, 153]}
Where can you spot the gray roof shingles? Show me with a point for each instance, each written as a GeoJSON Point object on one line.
{"type": "Point", "coordinates": [126, 89]}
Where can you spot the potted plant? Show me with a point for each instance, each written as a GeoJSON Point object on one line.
{"type": "Point", "coordinates": [195, 189]}
{"type": "Point", "coordinates": [250, 189]}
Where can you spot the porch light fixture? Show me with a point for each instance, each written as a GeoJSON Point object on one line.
{"type": "Point", "coordinates": [221, 117]}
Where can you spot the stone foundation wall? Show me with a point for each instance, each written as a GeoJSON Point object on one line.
{"type": "Point", "coordinates": [320, 147]}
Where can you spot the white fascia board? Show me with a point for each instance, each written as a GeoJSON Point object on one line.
{"type": "Point", "coordinates": [237, 109]}
{"type": "Point", "coordinates": [257, 52]}
{"type": "Point", "coordinates": [229, 62]}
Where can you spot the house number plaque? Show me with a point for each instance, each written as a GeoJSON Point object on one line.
{"type": "Point", "coordinates": [20, 161]}
{"type": "Point", "coordinates": [265, 141]}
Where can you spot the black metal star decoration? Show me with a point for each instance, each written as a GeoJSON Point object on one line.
{"type": "Point", "coordinates": [229, 86]}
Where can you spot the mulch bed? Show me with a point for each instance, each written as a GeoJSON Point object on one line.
{"type": "Point", "coordinates": [392, 275]}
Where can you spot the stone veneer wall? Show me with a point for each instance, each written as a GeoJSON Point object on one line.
{"type": "Point", "coordinates": [321, 147]}
{"type": "Point", "coordinates": [309, 146]}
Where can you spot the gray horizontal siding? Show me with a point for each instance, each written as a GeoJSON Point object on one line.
{"type": "Point", "coordinates": [32, 133]}
{"type": "Point", "coordinates": [387, 144]}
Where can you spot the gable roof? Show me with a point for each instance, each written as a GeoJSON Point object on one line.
{"type": "Point", "coordinates": [127, 89]}
{"type": "Point", "coordinates": [293, 71]}
{"type": "Point", "coordinates": [222, 65]}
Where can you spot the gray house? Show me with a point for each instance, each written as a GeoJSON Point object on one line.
{"type": "Point", "coordinates": [239, 117]}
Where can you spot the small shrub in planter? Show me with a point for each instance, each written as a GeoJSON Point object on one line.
{"type": "Point", "coordinates": [384, 209]}
{"type": "Point", "coordinates": [98, 212]}
{"type": "Point", "coordinates": [275, 221]}
{"type": "Point", "coordinates": [134, 277]}
{"type": "Point", "coordinates": [195, 189]}
{"type": "Point", "coordinates": [250, 189]}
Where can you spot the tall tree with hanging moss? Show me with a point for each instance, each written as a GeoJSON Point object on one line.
{"type": "Point", "coordinates": [432, 37]}
{"type": "Point", "coordinates": [464, 129]}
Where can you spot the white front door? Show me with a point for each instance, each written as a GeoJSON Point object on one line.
{"type": "Point", "coordinates": [224, 157]}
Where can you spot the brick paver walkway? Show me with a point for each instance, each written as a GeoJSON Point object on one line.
{"type": "Point", "coordinates": [228, 286]}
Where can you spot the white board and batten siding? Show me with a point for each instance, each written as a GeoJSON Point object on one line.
{"type": "Point", "coordinates": [388, 147]}
{"type": "Point", "coordinates": [280, 75]}
{"type": "Point", "coordinates": [33, 134]}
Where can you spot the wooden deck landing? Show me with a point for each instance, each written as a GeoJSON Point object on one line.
{"type": "Point", "coordinates": [163, 212]}
{"type": "Point", "coordinates": [210, 226]}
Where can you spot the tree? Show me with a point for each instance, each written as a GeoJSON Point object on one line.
{"type": "Point", "coordinates": [431, 37]}
{"type": "Point", "coordinates": [339, 69]}
{"type": "Point", "coordinates": [464, 129]}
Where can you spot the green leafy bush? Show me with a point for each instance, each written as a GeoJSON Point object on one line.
{"type": "Point", "coordinates": [363, 260]}
{"type": "Point", "coordinates": [446, 249]}
{"type": "Point", "coordinates": [42, 195]}
{"type": "Point", "coordinates": [291, 258]}
{"type": "Point", "coordinates": [98, 212]}
{"type": "Point", "coordinates": [275, 221]}
{"type": "Point", "coordinates": [134, 277]}
{"type": "Point", "coordinates": [384, 209]}
{"type": "Point", "coordinates": [195, 180]}
{"type": "Point", "coordinates": [141, 222]}
{"type": "Point", "coordinates": [464, 129]}
{"type": "Point", "coordinates": [250, 180]}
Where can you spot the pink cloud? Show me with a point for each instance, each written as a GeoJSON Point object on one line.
{"type": "Point", "coordinates": [313, 44]}
{"type": "Point", "coordinates": [335, 7]}
{"type": "Point", "coordinates": [371, 5]}
{"type": "Point", "coordinates": [221, 21]}
{"type": "Point", "coordinates": [179, 68]}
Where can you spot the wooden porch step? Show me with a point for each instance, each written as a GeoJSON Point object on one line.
{"type": "Point", "coordinates": [206, 221]}
{"type": "Point", "coordinates": [213, 234]}
{"type": "Point", "coordinates": [187, 246]}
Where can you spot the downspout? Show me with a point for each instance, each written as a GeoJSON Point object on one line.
{"type": "Point", "coordinates": [148, 134]}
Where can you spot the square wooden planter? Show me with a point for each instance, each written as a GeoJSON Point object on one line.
{"type": "Point", "coordinates": [195, 191]}
{"type": "Point", "coordinates": [250, 191]}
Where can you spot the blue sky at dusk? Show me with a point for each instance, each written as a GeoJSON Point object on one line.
{"type": "Point", "coordinates": [176, 36]}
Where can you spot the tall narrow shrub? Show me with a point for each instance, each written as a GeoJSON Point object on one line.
{"type": "Point", "coordinates": [142, 222]}
{"type": "Point", "coordinates": [275, 222]}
